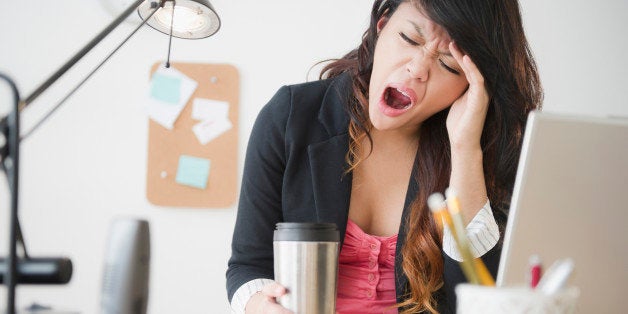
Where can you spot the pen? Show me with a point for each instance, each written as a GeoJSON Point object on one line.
{"type": "Point", "coordinates": [436, 203]}
{"type": "Point", "coordinates": [535, 270]}
{"type": "Point", "coordinates": [556, 276]}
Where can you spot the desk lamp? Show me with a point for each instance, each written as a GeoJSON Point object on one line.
{"type": "Point", "coordinates": [187, 19]}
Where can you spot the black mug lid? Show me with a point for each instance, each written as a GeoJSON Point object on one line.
{"type": "Point", "coordinates": [306, 231]}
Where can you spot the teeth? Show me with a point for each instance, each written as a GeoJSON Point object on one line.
{"type": "Point", "coordinates": [410, 104]}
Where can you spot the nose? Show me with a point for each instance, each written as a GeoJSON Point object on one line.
{"type": "Point", "coordinates": [418, 67]}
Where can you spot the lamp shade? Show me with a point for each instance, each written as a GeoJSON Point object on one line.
{"type": "Point", "coordinates": [193, 19]}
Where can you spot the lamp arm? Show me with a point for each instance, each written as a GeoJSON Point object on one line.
{"type": "Point", "coordinates": [78, 86]}
{"type": "Point", "coordinates": [80, 54]}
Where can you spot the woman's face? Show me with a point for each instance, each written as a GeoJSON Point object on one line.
{"type": "Point", "coordinates": [414, 75]}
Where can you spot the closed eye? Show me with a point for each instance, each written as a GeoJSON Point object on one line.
{"type": "Point", "coordinates": [448, 68]}
{"type": "Point", "coordinates": [408, 40]}
{"type": "Point", "coordinates": [414, 43]}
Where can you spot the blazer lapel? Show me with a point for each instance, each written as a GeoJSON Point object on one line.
{"type": "Point", "coordinates": [331, 185]}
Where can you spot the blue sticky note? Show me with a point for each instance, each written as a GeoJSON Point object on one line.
{"type": "Point", "coordinates": [193, 171]}
{"type": "Point", "coordinates": [165, 88]}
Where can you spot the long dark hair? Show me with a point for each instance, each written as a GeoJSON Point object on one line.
{"type": "Point", "coordinates": [491, 33]}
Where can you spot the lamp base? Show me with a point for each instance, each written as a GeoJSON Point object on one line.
{"type": "Point", "coordinates": [40, 270]}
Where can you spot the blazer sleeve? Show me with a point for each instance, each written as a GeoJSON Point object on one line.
{"type": "Point", "coordinates": [260, 204]}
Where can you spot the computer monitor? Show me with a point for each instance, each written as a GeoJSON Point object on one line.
{"type": "Point", "coordinates": [570, 199]}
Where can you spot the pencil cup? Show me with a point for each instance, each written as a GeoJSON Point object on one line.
{"type": "Point", "coordinates": [476, 299]}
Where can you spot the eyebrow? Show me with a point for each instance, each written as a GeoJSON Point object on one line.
{"type": "Point", "coordinates": [418, 29]}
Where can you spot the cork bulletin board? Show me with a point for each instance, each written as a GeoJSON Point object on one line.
{"type": "Point", "coordinates": [168, 147]}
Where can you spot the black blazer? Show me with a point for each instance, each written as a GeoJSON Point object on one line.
{"type": "Point", "coordinates": [295, 172]}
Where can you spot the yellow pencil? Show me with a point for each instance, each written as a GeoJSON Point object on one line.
{"type": "Point", "coordinates": [485, 276]}
{"type": "Point", "coordinates": [479, 269]}
{"type": "Point", "coordinates": [436, 203]}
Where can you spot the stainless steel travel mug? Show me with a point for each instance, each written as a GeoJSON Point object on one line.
{"type": "Point", "coordinates": [306, 263]}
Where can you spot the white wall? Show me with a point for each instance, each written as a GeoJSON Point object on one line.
{"type": "Point", "coordinates": [580, 47]}
{"type": "Point", "coordinates": [86, 165]}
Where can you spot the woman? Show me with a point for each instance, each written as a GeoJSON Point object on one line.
{"type": "Point", "coordinates": [436, 95]}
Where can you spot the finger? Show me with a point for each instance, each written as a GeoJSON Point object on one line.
{"type": "Point", "coordinates": [273, 290]}
{"type": "Point", "coordinates": [270, 292]}
{"type": "Point", "coordinates": [471, 71]}
{"type": "Point", "coordinates": [275, 308]}
{"type": "Point", "coordinates": [474, 76]}
{"type": "Point", "coordinates": [455, 51]}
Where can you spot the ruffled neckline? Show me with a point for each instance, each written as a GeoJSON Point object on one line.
{"type": "Point", "coordinates": [359, 245]}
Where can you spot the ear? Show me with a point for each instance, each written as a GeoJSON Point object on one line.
{"type": "Point", "coordinates": [381, 23]}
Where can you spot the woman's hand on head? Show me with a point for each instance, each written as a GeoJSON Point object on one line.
{"type": "Point", "coordinates": [265, 301]}
{"type": "Point", "coordinates": [468, 113]}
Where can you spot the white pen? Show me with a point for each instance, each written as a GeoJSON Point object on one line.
{"type": "Point", "coordinates": [556, 276]}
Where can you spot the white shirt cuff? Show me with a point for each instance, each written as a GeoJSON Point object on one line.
{"type": "Point", "coordinates": [482, 232]}
{"type": "Point", "coordinates": [242, 296]}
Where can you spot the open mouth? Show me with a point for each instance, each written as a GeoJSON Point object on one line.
{"type": "Point", "coordinates": [397, 99]}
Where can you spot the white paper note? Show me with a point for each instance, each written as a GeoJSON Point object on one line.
{"type": "Point", "coordinates": [164, 104]}
{"type": "Point", "coordinates": [206, 131]}
{"type": "Point", "coordinates": [209, 109]}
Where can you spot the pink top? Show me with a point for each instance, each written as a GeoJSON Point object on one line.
{"type": "Point", "coordinates": [366, 273]}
